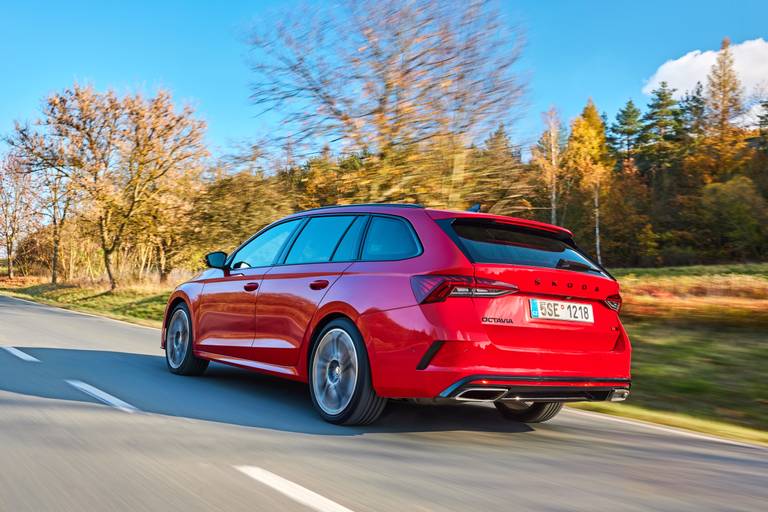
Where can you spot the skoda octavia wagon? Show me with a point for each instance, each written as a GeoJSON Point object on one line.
{"type": "Point", "coordinates": [367, 303]}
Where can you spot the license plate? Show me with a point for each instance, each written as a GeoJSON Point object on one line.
{"type": "Point", "coordinates": [558, 310]}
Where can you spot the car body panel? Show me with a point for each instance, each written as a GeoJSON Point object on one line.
{"type": "Point", "coordinates": [289, 295]}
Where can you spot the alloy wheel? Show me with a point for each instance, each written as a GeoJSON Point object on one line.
{"type": "Point", "coordinates": [334, 371]}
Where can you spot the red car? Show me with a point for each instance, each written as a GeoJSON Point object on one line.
{"type": "Point", "coordinates": [371, 302]}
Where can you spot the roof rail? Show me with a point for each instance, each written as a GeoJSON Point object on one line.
{"type": "Point", "coordinates": [388, 205]}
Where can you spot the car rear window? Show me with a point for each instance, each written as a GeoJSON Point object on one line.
{"type": "Point", "coordinates": [492, 242]}
{"type": "Point", "coordinates": [390, 238]}
{"type": "Point", "coordinates": [318, 239]}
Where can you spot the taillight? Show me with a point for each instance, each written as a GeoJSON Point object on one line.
{"type": "Point", "coordinates": [433, 288]}
{"type": "Point", "coordinates": [614, 302]}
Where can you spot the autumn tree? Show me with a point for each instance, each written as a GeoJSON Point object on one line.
{"type": "Point", "coordinates": [629, 235]}
{"type": "Point", "coordinates": [724, 102]}
{"type": "Point", "coordinates": [732, 221]}
{"type": "Point", "coordinates": [383, 78]}
{"type": "Point", "coordinates": [547, 159]}
{"type": "Point", "coordinates": [495, 176]}
{"type": "Point", "coordinates": [42, 153]}
{"type": "Point", "coordinates": [233, 206]}
{"type": "Point", "coordinates": [18, 213]}
{"type": "Point", "coordinates": [113, 151]}
{"type": "Point", "coordinates": [587, 155]}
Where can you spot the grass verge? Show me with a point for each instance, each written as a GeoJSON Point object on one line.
{"type": "Point", "coordinates": [677, 420]}
{"type": "Point", "coordinates": [140, 305]}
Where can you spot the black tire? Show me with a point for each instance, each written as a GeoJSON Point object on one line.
{"type": "Point", "coordinates": [534, 413]}
{"type": "Point", "coordinates": [189, 364]}
{"type": "Point", "coordinates": [364, 406]}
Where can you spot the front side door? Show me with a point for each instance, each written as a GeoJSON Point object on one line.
{"type": "Point", "coordinates": [226, 314]}
{"type": "Point", "coordinates": [291, 291]}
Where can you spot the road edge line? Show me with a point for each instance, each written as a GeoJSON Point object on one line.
{"type": "Point", "coordinates": [78, 312]}
{"type": "Point", "coordinates": [665, 428]}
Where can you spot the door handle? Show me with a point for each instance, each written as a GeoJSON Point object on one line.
{"type": "Point", "coordinates": [249, 287]}
{"type": "Point", "coordinates": [319, 284]}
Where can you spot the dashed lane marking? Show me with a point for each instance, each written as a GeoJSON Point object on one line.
{"type": "Point", "coordinates": [21, 355]}
{"type": "Point", "coordinates": [292, 490]}
{"type": "Point", "coordinates": [102, 396]}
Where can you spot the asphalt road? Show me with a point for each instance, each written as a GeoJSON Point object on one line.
{"type": "Point", "coordinates": [233, 440]}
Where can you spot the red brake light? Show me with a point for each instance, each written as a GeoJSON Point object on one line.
{"type": "Point", "coordinates": [434, 288]}
{"type": "Point", "coordinates": [614, 302]}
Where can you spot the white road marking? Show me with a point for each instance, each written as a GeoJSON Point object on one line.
{"type": "Point", "coordinates": [21, 355]}
{"type": "Point", "coordinates": [102, 396]}
{"type": "Point", "coordinates": [294, 491]}
{"type": "Point", "coordinates": [653, 426]}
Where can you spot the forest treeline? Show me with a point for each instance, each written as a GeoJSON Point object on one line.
{"type": "Point", "coordinates": [413, 103]}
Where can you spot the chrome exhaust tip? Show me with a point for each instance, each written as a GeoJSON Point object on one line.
{"type": "Point", "coordinates": [480, 394]}
{"type": "Point", "coordinates": [619, 395]}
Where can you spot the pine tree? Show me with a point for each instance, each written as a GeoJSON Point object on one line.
{"type": "Point", "coordinates": [724, 106]}
{"type": "Point", "coordinates": [693, 108]}
{"type": "Point", "coordinates": [762, 124]}
{"type": "Point", "coordinates": [696, 162]}
{"type": "Point", "coordinates": [658, 156]}
{"type": "Point", "coordinates": [625, 132]}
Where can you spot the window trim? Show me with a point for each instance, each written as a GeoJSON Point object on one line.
{"type": "Point", "coordinates": [411, 230]}
{"type": "Point", "coordinates": [282, 254]}
{"type": "Point", "coordinates": [230, 259]}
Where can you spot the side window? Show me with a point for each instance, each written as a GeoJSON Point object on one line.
{"type": "Point", "coordinates": [318, 239]}
{"type": "Point", "coordinates": [262, 250]}
{"type": "Point", "coordinates": [347, 249]}
{"type": "Point", "coordinates": [389, 238]}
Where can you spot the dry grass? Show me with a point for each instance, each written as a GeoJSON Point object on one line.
{"type": "Point", "coordinates": [724, 299]}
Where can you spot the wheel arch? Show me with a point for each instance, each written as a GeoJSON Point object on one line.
{"type": "Point", "coordinates": [176, 298]}
{"type": "Point", "coordinates": [327, 313]}
{"type": "Point", "coordinates": [312, 338]}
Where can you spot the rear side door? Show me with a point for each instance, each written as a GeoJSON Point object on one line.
{"type": "Point", "coordinates": [227, 310]}
{"type": "Point", "coordinates": [291, 291]}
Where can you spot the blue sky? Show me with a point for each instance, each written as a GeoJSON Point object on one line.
{"type": "Point", "coordinates": [606, 50]}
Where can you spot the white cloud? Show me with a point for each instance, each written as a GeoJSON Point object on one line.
{"type": "Point", "coordinates": [750, 60]}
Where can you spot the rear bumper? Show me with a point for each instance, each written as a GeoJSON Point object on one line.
{"type": "Point", "coordinates": [489, 388]}
{"type": "Point", "coordinates": [407, 362]}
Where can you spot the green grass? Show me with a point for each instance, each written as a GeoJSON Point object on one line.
{"type": "Point", "coordinates": [141, 305]}
{"type": "Point", "coordinates": [700, 339]}
{"type": "Point", "coordinates": [702, 371]}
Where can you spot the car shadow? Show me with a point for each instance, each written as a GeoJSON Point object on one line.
{"type": "Point", "coordinates": [225, 395]}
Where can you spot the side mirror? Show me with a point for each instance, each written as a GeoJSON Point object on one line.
{"type": "Point", "coordinates": [216, 259]}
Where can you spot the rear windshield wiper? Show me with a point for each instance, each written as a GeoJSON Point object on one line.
{"type": "Point", "coordinates": [575, 265]}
